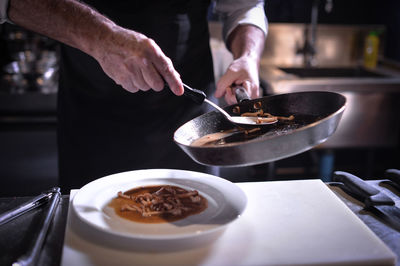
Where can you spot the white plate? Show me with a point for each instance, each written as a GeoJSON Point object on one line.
{"type": "Point", "coordinates": [226, 202]}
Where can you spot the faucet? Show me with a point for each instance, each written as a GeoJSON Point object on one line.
{"type": "Point", "coordinates": [310, 32]}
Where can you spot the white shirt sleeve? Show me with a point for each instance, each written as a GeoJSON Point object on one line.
{"type": "Point", "coordinates": [240, 12]}
{"type": "Point", "coordinates": [3, 11]}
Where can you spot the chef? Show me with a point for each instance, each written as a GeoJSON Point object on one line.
{"type": "Point", "coordinates": [113, 113]}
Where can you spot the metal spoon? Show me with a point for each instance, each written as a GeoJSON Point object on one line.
{"type": "Point", "coordinates": [199, 97]}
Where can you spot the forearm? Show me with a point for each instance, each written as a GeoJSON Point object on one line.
{"type": "Point", "coordinates": [67, 21]}
{"type": "Point", "coordinates": [247, 41]}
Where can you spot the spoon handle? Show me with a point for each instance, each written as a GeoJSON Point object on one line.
{"type": "Point", "coordinates": [197, 96]}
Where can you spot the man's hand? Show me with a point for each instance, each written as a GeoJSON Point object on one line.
{"type": "Point", "coordinates": [136, 62]}
{"type": "Point", "coordinates": [242, 71]}
{"type": "Point", "coordinates": [246, 43]}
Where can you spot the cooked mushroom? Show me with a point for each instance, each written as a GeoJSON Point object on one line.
{"type": "Point", "coordinates": [166, 200]}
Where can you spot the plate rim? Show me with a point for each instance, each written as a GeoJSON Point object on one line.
{"type": "Point", "coordinates": [165, 171]}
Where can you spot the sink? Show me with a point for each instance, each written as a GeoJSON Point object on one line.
{"type": "Point", "coordinates": [350, 72]}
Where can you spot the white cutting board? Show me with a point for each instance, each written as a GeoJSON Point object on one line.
{"type": "Point", "coordinates": [285, 223]}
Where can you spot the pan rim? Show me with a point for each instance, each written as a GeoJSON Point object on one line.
{"type": "Point", "coordinates": [262, 139]}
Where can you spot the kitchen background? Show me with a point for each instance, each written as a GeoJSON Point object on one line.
{"type": "Point", "coordinates": [327, 54]}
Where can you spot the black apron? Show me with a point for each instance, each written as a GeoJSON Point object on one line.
{"type": "Point", "coordinates": [104, 129]}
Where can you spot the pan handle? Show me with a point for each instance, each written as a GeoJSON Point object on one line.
{"type": "Point", "coordinates": [241, 94]}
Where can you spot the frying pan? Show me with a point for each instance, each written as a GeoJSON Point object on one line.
{"type": "Point", "coordinates": [317, 115]}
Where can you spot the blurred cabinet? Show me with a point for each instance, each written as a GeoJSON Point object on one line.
{"type": "Point", "coordinates": [28, 120]}
{"type": "Point", "coordinates": [28, 156]}
{"type": "Point", "coordinates": [28, 143]}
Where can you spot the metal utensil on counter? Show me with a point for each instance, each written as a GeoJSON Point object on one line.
{"type": "Point", "coordinates": [32, 255]}
{"type": "Point", "coordinates": [374, 200]}
{"type": "Point", "coordinates": [393, 178]}
{"type": "Point", "coordinates": [199, 97]}
{"type": "Point", "coordinates": [25, 207]}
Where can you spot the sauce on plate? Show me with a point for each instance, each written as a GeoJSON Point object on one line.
{"type": "Point", "coordinates": [119, 205]}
